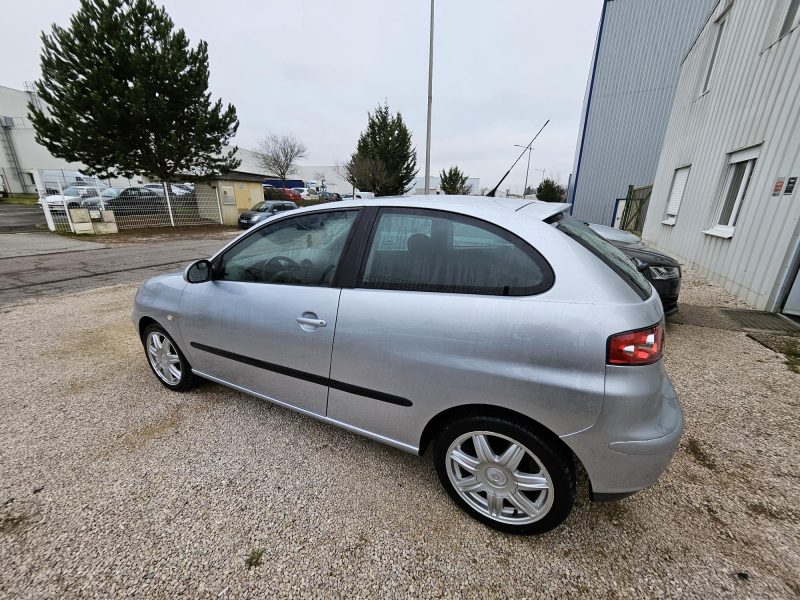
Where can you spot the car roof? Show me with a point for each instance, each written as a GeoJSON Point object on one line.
{"type": "Point", "coordinates": [534, 209]}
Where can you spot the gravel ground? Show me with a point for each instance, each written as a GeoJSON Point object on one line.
{"type": "Point", "coordinates": [111, 486]}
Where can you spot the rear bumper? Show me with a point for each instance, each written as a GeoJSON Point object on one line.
{"type": "Point", "coordinates": [630, 446]}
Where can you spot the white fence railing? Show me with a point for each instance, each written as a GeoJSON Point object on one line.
{"type": "Point", "coordinates": [149, 205]}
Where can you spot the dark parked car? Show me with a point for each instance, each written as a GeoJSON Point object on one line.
{"type": "Point", "coordinates": [127, 201]}
{"type": "Point", "coordinates": [329, 197]}
{"type": "Point", "coordinates": [659, 269]}
{"type": "Point", "coordinates": [263, 210]}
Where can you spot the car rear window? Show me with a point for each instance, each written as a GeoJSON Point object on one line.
{"type": "Point", "coordinates": [424, 250]}
{"type": "Point", "coordinates": [611, 256]}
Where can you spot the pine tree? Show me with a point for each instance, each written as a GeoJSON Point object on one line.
{"type": "Point", "coordinates": [550, 191]}
{"type": "Point", "coordinates": [127, 95]}
{"type": "Point", "coordinates": [384, 161]}
{"type": "Point", "coordinates": [453, 182]}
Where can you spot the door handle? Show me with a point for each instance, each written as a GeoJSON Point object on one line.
{"type": "Point", "coordinates": [311, 322]}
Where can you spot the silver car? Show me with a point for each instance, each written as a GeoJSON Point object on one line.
{"type": "Point", "coordinates": [503, 335]}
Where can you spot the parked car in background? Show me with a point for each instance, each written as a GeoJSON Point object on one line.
{"type": "Point", "coordinates": [271, 193]}
{"type": "Point", "coordinates": [263, 210]}
{"type": "Point", "coordinates": [292, 195]}
{"type": "Point", "coordinates": [329, 197]}
{"type": "Point", "coordinates": [70, 197]}
{"type": "Point", "coordinates": [663, 271]}
{"type": "Point", "coordinates": [564, 362]}
{"type": "Point", "coordinates": [358, 195]}
{"type": "Point", "coordinates": [306, 193]}
{"type": "Point", "coordinates": [127, 201]}
{"type": "Point", "coordinates": [175, 188]}
{"type": "Point", "coordinates": [187, 188]}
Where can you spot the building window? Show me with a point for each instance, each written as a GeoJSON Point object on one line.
{"type": "Point", "coordinates": [679, 180]}
{"type": "Point", "coordinates": [740, 171]}
{"type": "Point", "coordinates": [788, 20]}
{"type": "Point", "coordinates": [717, 40]}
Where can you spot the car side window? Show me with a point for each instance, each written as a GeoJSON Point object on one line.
{"type": "Point", "coordinates": [435, 251]}
{"type": "Point", "coordinates": [301, 250]}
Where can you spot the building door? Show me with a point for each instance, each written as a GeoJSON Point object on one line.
{"type": "Point", "coordinates": [792, 305]}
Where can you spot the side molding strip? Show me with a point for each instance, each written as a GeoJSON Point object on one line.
{"type": "Point", "coordinates": [375, 436]}
{"type": "Point", "coordinates": [318, 379]}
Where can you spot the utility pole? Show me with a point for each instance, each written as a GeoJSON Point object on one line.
{"type": "Point", "coordinates": [430, 102]}
{"type": "Point", "coordinates": [543, 172]}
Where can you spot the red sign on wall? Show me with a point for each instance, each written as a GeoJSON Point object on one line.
{"type": "Point", "coordinates": [776, 191]}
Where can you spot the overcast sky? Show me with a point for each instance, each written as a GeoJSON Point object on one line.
{"type": "Point", "coordinates": [315, 67]}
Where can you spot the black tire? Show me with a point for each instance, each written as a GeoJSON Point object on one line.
{"type": "Point", "coordinates": [541, 452]}
{"type": "Point", "coordinates": [187, 379]}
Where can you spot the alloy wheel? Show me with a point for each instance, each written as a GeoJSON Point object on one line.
{"type": "Point", "coordinates": [499, 477]}
{"type": "Point", "coordinates": [163, 357]}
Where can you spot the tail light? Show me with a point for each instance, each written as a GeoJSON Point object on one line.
{"type": "Point", "coordinates": [640, 347]}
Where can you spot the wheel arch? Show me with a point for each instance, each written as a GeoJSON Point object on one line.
{"type": "Point", "coordinates": [144, 323]}
{"type": "Point", "coordinates": [447, 416]}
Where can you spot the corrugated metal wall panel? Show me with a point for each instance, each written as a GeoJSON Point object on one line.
{"type": "Point", "coordinates": [752, 100]}
{"type": "Point", "coordinates": [638, 62]}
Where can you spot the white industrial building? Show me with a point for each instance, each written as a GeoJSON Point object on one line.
{"type": "Point", "coordinates": [725, 196]}
{"type": "Point", "coordinates": [632, 80]}
{"type": "Point", "coordinates": [330, 174]}
{"type": "Point", "coordinates": [20, 154]}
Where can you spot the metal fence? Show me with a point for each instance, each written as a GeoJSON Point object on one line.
{"type": "Point", "coordinates": [89, 205]}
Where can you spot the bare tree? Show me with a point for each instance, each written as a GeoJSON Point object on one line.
{"type": "Point", "coordinates": [278, 154]}
{"type": "Point", "coordinates": [320, 177]}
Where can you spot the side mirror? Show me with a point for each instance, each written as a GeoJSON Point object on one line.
{"type": "Point", "coordinates": [198, 272]}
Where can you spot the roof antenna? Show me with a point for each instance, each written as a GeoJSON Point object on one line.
{"type": "Point", "coordinates": [494, 190]}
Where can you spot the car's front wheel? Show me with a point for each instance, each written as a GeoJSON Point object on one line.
{"type": "Point", "coordinates": [505, 475]}
{"type": "Point", "coordinates": [166, 360]}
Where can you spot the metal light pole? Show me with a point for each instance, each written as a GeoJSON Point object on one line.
{"type": "Point", "coordinates": [430, 102]}
{"type": "Point", "coordinates": [543, 172]}
{"type": "Point", "coordinates": [529, 148]}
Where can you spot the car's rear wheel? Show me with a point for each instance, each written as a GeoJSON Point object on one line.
{"type": "Point", "coordinates": [505, 475]}
{"type": "Point", "coordinates": [166, 360]}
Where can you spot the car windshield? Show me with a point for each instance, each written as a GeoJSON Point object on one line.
{"type": "Point", "coordinates": [262, 207]}
{"type": "Point", "coordinates": [72, 191]}
{"type": "Point", "coordinates": [610, 255]}
{"type": "Point", "coordinates": [111, 193]}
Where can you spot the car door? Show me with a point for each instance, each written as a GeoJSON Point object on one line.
{"type": "Point", "coordinates": [123, 203]}
{"type": "Point", "coordinates": [449, 311]}
{"type": "Point", "coordinates": [266, 320]}
{"type": "Point", "coordinates": [153, 202]}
